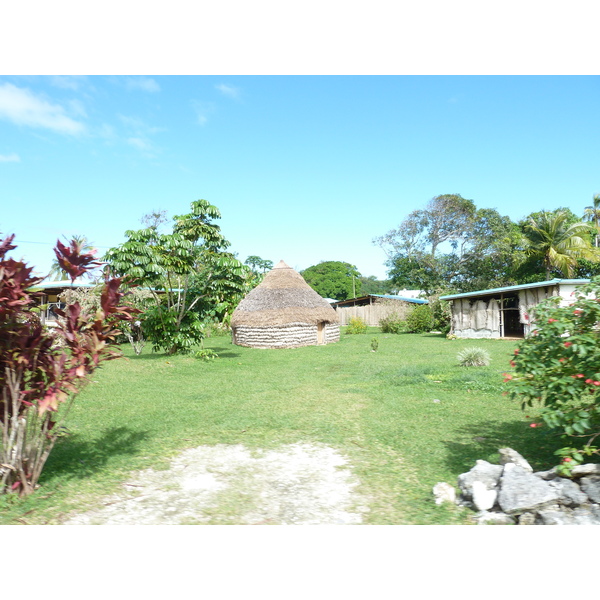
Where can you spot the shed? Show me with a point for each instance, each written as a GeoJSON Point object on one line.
{"type": "Point", "coordinates": [505, 312]}
{"type": "Point", "coordinates": [374, 307]}
{"type": "Point", "coordinates": [283, 311]}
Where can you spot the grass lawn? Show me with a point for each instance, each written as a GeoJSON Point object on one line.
{"type": "Point", "coordinates": [407, 416]}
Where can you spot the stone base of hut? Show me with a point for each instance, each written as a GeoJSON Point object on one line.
{"type": "Point", "coordinates": [292, 335]}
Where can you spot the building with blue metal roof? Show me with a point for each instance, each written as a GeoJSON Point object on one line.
{"type": "Point", "coordinates": [505, 312]}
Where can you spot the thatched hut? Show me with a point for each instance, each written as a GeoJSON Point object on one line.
{"type": "Point", "coordinates": [284, 312]}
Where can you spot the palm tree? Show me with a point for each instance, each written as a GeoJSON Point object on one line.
{"type": "Point", "coordinates": [551, 238]}
{"type": "Point", "coordinates": [56, 272]}
{"type": "Point", "coordinates": [592, 214]}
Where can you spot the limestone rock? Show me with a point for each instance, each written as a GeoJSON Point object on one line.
{"type": "Point", "coordinates": [591, 486]}
{"type": "Point", "coordinates": [527, 518]}
{"type": "Point", "coordinates": [524, 492]}
{"type": "Point", "coordinates": [588, 469]}
{"type": "Point", "coordinates": [587, 515]}
{"type": "Point", "coordinates": [508, 455]}
{"type": "Point", "coordinates": [483, 498]}
{"type": "Point", "coordinates": [483, 472]}
{"type": "Point", "coordinates": [547, 475]}
{"type": "Point", "coordinates": [555, 517]}
{"type": "Point", "coordinates": [444, 492]}
{"type": "Point", "coordinates": [494, 518]}
{"type": "Point", "coordinates": [569, 492]}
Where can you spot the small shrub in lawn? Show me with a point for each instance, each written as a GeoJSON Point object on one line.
{"type": "Point", "coordinates": [558, 366]}
{"type": "Point", "coordinates": [393, 323]}
{"type": "Point", "coordinates": [473, 357]}
{"type": "Point", "coordinates": [356, 325]}
{"type": "Point", "coordinates": [419, 319]}
{"type": "Point", "coordinates": [206, 354]}
{"type": "Point", "coordinates": [374, 344]}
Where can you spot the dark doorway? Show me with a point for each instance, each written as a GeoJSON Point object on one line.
{"type": "Point", "coordinates": [511, 318]}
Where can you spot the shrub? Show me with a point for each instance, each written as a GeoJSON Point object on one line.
{"type": "Point", "coordinates": [374, 344]}
{"type": "Point", "coordinates": [393, 323]}
{"type": "Point", "coordinates": [473, 357]}
{"type": "Point", "coordinates": [558, 366]}
{"type": "Point", "coordinates": [419, 319]}
{"type": "Point", "coordinates": [356, 325]}
{"type": "Point", "coordinates": [42, 371]}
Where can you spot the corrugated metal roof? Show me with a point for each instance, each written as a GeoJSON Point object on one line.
{"type": "Point", "coordinates": [511, 288]}
{"type": "Point", "coordinates": [387, 296]}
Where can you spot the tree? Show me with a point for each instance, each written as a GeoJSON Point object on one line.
{"type": "Point", "coordinates": [559, 244]}
{"type": "Point", "coordinates": [41, 371]}
{"type": "Point", "coordinates": [171, 266]}
{"type": "Point", "coordinates": [372, 285]}
{"type": "Point", "coordinates": [592, 214]}
{"type": "Point", "coordinates": [334, 279]}
{"type": "Point", "coordinates": [258, 264]}
{"type": "Point", "coordinates": [479, 247]}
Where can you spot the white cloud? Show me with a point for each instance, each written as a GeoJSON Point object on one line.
{"type": "Point", "coordinates": [143, 145]}
{"type": "Point", "coordinates": [228, 90]}
{"type": "Point", "coordinates": [22, 107]}
{"type": "Point", "coordinates": [146, 84]}
{"type": "Point", "coordinates": [67, 82]}
{"type": "Point", "coordinates": [202, 109]}
{"type": "Point", "coordinates": [10, 158]}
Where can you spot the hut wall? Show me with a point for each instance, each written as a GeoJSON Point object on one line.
{"type": "Point", "coordinates": [476, 320]}
{"type": "Point", "coordinates": [287, 336]}
{"type": "Point", "coordinates": [371, 314]}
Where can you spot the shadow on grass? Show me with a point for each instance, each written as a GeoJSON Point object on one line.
{"type": "Point", "coordinates": [486, 438]}
{"type": "Point", "coordinates": [80, 458]}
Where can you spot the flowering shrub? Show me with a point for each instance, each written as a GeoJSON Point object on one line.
{"type": "Point", "coordinates": [419, 319]}
{"type": "Point", "coordinates": [558, 366]}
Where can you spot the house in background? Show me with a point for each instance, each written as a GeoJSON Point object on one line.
{"type": "Point", "coordinates": [51, 290]}
{"type": "Point", "coordinates": [374, 307]}
{"type": "Point", "coordinates": [505, 312]}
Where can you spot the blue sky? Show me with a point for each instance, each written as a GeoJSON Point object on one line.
{"type": "Point", "coordinates": [303, 168]}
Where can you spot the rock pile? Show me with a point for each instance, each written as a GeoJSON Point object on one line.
{"type": "Point", "coordinates": [512, 494]}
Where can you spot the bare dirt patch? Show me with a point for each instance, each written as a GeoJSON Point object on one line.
{"type": "Point", "coordinates": [298, 484]}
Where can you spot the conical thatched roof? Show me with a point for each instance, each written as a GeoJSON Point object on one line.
{"type": "Point", "coordinates": [283, 297]}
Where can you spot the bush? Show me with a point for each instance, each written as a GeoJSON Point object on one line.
{"type": "Point", "coordinates": [473, 357]}
{"type": "Point", "coordinates": [419, 319]}
{"type": "Point", "coordinates": [558, 366]}
{"type": "Point", "coordinates": [393, 323]}
{"type": "Point", "coordinates": [42, 371]}
{"type": "Point", "coordinates": [356, 325]}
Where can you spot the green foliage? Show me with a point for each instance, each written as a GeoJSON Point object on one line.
{"type": "Point", "coordinates": [372, 285]}
{"type": "Point", "coordinates": [259, 265]}
{"type": "Point", "coordinates": [393, 323]}
{"type": "Point", "coordinates": [419, 319]}
{"type": "Point", "coordinates": [334, 279]}
{"type": "Point", "coordinates": [374, 344]}
{"type": "Point", "coordinates": [206, 354]}
{"type": "Point", "coordinates": [553, 238]}
{"type": "Point", "coordinates": [473, 357]}
{"type": "Point", "coordinates": [194, 280]}
{"type": "Point", "coordinates": [558, 367]}
{"type": "Point", "coordinates": [356, 325]}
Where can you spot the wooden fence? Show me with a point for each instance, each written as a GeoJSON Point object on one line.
{"type": "Point", "coordinates": [371, 314]}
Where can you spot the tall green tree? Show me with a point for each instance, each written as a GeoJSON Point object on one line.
{"type": "Point", "coordinates": [334, 279]}
{"type": "Point", "coordinates": [592, 214]}
{"type": "Point", "coordinates": [558, 243]}
{"type": "Point", "coordinates": [182, 269]}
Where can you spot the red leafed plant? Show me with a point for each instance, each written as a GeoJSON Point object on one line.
{"type": "Point", "coordinates": [41, 371]}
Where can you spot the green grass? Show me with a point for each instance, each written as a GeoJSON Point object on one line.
{"type": "Point", "coordinates": [376, 407]}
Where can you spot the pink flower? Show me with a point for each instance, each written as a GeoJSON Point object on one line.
{"type": "Point", "coordinates": [507, 377]}
{"type": "Point", "coordinates": [577, 312]}
{"type": "Point", "coordinates": [580, 375]}
{"type": "Point", "coordinates": [589, 381]}
{"type": "Point", "coordinates": [567, 344]}
{"type": "Point", "coordinates": [552, 320]}
{"type": "Point", "coordinates": [567, 459]}
{"type": "Point", "coordinates": [596, 382]}
{"type": "Point", "coordinates": [516, 351]}
{"type": "Point", "coordinates": [533, 424]}
{"type": "Point", "coordinates": [512, 363]}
